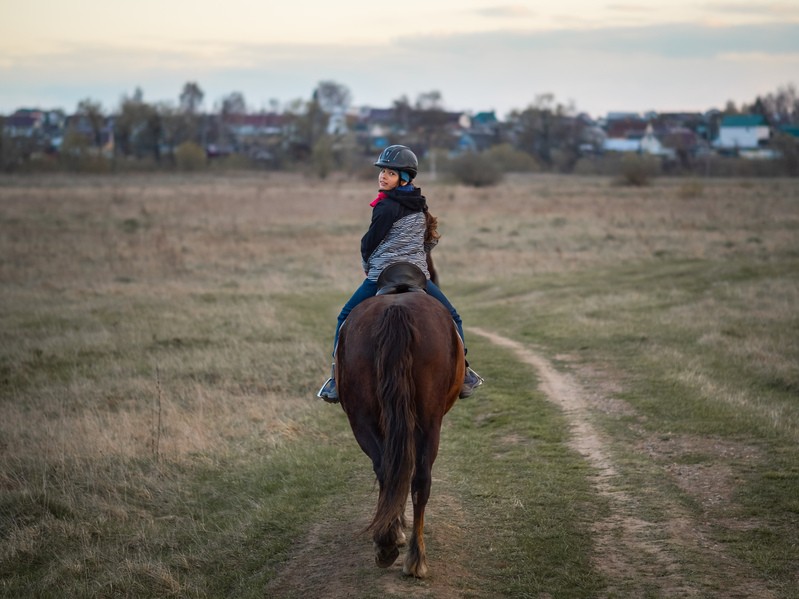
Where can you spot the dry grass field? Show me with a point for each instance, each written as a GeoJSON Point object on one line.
{"type": "Point", "coordinates": [163, 338]}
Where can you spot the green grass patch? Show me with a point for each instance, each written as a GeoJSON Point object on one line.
{"type": "Point", "coordinates": [528, 505]}
{"type": "Point", "coordinates": [705, 351]}
{"type": "Point", "coordinates": [171, 529]}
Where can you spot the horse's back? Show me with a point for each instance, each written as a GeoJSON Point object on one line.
{"type": "Point", "coordinates": [436, 348]}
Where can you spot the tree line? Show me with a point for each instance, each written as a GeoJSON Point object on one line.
{"type": "Point", "coordinates": [167, 134]}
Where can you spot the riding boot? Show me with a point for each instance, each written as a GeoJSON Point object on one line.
{"type": "Point", "coordinates": [471, 381]}
{"type": "Point", "coordinates": [328, 392]}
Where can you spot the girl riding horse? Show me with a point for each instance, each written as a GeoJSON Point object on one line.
{"type": "Point", "coordinates": [402, 230]}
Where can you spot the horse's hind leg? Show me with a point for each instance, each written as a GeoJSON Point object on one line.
{"type": "Point", "coordinates": [387, 546]}
{"type": "Point", "coordinates": [387, 542]}
{"type": "Point", "coordinates": [416, 558]}
{"type": "Point", "coordinates": [386, 553]}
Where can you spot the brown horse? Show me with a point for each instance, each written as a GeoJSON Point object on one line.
{"type": "Point", "coordinates": [400, 366]}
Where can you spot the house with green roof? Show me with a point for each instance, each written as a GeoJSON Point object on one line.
{"type": "Point", "coordinates": [792, 130]}
{"type": "Point", "coordinates": [743, 132]}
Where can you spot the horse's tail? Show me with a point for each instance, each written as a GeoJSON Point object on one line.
{"type": "Point", "coordinates": [395, 393]}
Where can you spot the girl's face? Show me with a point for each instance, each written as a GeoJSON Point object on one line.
{"type": "Point", "coordinates": [387, 179]}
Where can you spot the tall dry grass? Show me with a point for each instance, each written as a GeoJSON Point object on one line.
{"type": "Point", "coordinates": [147, 340]}
{"type": "Point", "coordinates": [107, 281]}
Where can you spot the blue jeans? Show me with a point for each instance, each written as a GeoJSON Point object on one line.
{"type": "Point", "coordinates": [369, 288]}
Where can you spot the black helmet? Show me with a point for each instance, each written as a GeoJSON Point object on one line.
{"type": "Point", "coordinates": [399, 158]}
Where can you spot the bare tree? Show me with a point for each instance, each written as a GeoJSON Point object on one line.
{"type": "Point", "coordinates": [332, 97]}
{"type": "Point", "coordinates": [233, 103]}
{"type": "Point", "coordinates": [170, 127]}
{"type": "Point", "coordinates": [230, 108]}
{"type": "Point", "coordinates": [93, 112]}
{"type": "Point", "coordinates": [138, 128]}
{"type": "Point", "coordinates": [308, 122]}
{"type": "Point", "coordinates": [430, 118]}
{"type": "Point", "coordinates": [191, 98]}
{"type": "Point", "coordinates": [548, 131]}
{"type": "Point", "coordinates": [783, 105]}
{"type": "Point", "coordinates": [730, 108]}
{"type": "Point", "coordinates": [403, 113]}
{"type": "Point", "coordinates": [430, 101]}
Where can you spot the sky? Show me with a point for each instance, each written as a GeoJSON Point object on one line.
{"type": "Point", "coordinates": [625, 55]}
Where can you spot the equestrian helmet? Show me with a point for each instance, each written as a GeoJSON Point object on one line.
{"type": "Point", "coordinates": [399, 158]}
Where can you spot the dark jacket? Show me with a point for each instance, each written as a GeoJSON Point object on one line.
{"type": "Point", "coordinates": [396, 233]}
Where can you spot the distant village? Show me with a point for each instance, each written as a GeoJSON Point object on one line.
{"type": "Point", "coordinates": [550, 135]}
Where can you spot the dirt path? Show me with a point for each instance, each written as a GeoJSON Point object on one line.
{"type": "Point", "coordinates": [636, 555]}
{"type": "Point", "coordinates": [336, 559]}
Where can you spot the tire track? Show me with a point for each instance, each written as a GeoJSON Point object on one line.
{"type": "Point", "coordinates": [635, 554]}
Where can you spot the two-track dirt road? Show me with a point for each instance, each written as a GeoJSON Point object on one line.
{"type": "Point", "coordinates": [632, 552]}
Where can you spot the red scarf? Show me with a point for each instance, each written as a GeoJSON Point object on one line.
{"type": "Point", "coordinates": [380, 196]}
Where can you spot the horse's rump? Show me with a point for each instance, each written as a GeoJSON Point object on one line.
{"type": "Point", "coordinates": [371, 341]}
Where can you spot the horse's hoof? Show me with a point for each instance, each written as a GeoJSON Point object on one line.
{"type": "Point", "coordinates": [417, 570]}
{"type": "Point", "coordinates": [385, 557]}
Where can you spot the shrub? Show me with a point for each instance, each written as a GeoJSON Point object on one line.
{"type": "Point", "coordinates": [788, 148]}
{"type": "Point", "coordinates": [477, 170]}
{"type": "Point", "coordinates": [78, 155]}
{"type": "Point", "coordinates": [322, 157]}
{"type": "Point", "coordinates": [190, 157]}
{"type": "Point", "coordinates": [638, 170]}
{"type": "Point", "coordinates": [511, 160]}
{"type": "Point", "coordinates": [564, 160]}
{"type": "Point", "coordinates": [588, 165]}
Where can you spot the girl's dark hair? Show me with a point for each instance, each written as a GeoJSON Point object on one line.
{"type": "Point", "coordinates": [431, 233]}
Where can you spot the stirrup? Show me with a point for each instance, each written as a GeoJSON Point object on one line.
{"type": "Point", "coordinates": [328, 392]}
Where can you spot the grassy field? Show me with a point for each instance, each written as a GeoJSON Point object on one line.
{"type": "Point", "coordinates": [163, 338]}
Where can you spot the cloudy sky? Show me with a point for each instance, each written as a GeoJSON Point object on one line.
{"type": "Point", "coordinates": [634, 55]}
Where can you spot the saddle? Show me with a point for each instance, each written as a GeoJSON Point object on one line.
{"type": "Point", "coordinates": [401, 277]}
